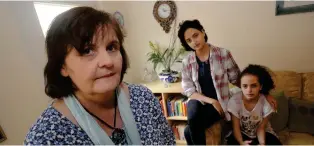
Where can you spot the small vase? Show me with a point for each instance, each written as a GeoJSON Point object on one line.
{"type": "Point", "coordinates": [169, 77]}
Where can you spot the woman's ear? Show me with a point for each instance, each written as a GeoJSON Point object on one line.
{"type": "Point", "coordinates": [64, 71]}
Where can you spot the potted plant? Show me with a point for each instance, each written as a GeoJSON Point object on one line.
{"type": "Point", "coordinates": [166, 57]}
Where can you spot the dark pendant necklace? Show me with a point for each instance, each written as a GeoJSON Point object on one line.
{"type": "Point", "coordinates": [118, 135]}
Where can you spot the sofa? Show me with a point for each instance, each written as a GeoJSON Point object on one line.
{"type": "Point", "coordinates": [294, 119]}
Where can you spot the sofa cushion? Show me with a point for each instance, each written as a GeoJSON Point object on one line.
{"type": "Point", "coordinates": [300, 139]}
{"type": "Point", "coordinates": [301, 118]}
{"type": "Point", "coordinates": [284, 136]}
{"type": "Point", "coordinates": [290, 82]}
{"type": "Point", "coordinates": [308, 86]}
{"type": "Point", "coordinates": [233, 89]}
{"type": "Point", "coordinates": [279, 120]}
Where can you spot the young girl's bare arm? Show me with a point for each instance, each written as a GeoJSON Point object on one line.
{"type": "Point", "coordinates": [236, 129]}
{"type": "Point", "coordinates": [261, 130]}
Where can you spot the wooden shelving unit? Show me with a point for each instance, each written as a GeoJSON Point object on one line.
{"type": "Point", "coordinates": [158, 88]}
{"type": "Point", "coordinates": [178, 118]}
{"type": "Point", "coordinates": [181, 142]}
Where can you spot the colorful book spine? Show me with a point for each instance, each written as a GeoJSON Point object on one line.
{"type": "Point", "coordinates": [177, 106]}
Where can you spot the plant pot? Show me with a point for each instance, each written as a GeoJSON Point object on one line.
{"type": "Point", "coordinates": [169, 77]}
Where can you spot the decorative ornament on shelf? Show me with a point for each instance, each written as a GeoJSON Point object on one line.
{"type": "Point", "coordinates": [149, 73]}
{"type": "Point", "coordinates": [165, 12]}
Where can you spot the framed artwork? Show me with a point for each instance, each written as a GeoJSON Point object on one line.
{"type": "Point", "coordinates": [293, 7]}
{"type": "Point", "coordinates": [2, 135]}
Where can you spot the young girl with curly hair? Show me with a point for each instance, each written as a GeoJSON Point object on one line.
{"type": "Point", "coordinates": [251, 111]}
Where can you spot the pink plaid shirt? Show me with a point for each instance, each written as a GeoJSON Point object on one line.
{"type": "Point", "coordinates": [224, 70]}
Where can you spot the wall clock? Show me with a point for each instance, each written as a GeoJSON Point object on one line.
{"type": "Point", "coordinates": [165, 12]}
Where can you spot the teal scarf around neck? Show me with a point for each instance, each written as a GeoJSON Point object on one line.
{"type": "Point", "coordinates": [94, 131]}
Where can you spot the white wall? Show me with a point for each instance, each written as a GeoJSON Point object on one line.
{"type": "Point", "coordinates": [250, 30]}
{"type": "Point", "coordinates": [22, 60]}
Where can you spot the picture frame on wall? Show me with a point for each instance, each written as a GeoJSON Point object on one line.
{"type": "Point", "coordinates": [2, 135]}
{"type": "Point", "coordinates": [293, 7]}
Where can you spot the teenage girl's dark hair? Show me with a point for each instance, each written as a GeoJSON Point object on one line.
{"type": "Point", "coordinates": [186, 25]}
{"type": "Point", "coordinates": [264, 77]}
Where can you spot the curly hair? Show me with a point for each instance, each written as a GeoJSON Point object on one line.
{"type": "Point", "coordinates": [264, 77]}
{"type": "Point", "coordinates": [186, 25]}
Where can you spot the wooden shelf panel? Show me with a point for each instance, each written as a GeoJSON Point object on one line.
{"type": "Point", "coordinates": [158, 87]}
{"type": "Point", "coordinates": [179, 118]}
{"type": "Point", "coordinates": [181, 142]}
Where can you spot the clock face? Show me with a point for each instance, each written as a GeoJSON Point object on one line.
{"type": "Point", "coordinates": [164, 11]}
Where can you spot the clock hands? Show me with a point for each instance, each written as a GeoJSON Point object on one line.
{"type": "Point", "coordinates": [165, 10]}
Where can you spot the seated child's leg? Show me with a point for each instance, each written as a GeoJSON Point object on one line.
{"type": "Point", "coordinates": [231, 140]}
{"type": "Point", "coordinates": [272, 139]}
{"type": "Point", "coordinates": [254, 141]}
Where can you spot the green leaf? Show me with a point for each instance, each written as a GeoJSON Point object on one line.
{"type": "Point", "coordinates": [155, 65]}
{"type": "Point", "coordinates": [166, 57]}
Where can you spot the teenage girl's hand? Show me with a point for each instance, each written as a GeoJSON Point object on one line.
{"type": "Point", "coordinates": [218, 107]}
{"type": "Point", "coordinates": [272, 101]}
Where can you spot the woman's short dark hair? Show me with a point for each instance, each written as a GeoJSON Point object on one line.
{"type": "Point", "coordinates": [74, 28]}
{"type": "Point", "coordinates": [264, 77]}
{"type": "Point", "coordinates": [186, 25]}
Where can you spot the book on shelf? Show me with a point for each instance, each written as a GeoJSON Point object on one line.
{"type": "Point", "coordinates": [178, 130]}
{"type": "Point", "coordinates": [176, 106]}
